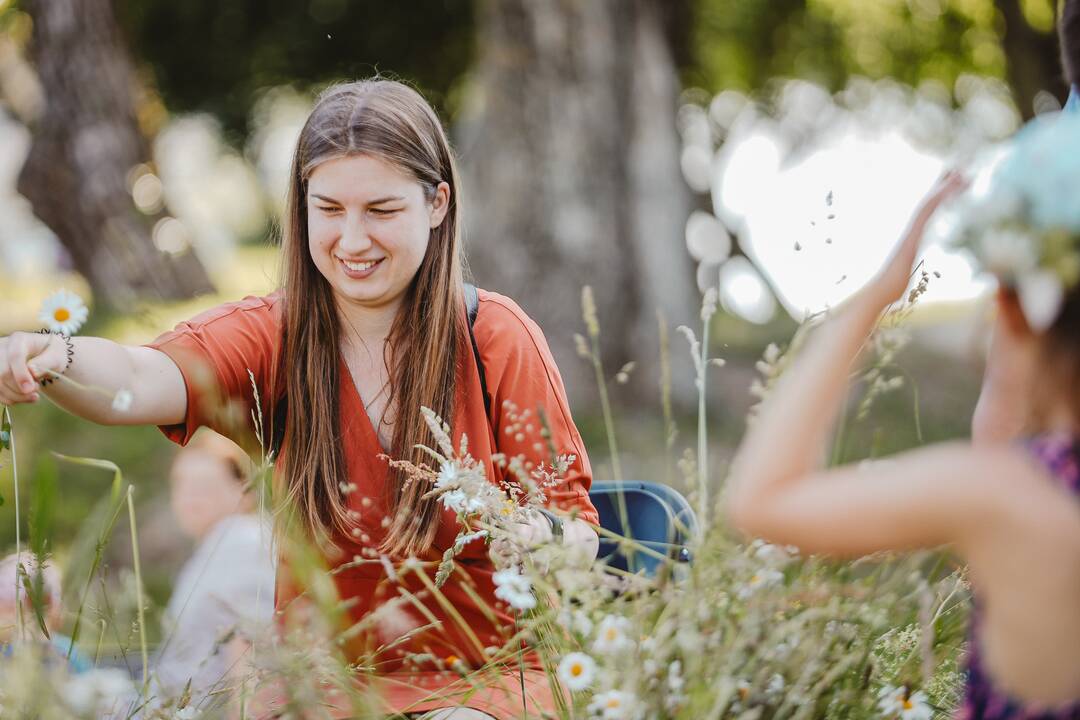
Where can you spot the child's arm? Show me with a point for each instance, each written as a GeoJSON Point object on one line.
{"type": "Point", "coordinates": [911, 500]}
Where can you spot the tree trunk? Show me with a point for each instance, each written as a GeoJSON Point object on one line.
{"type": "Point", "coordinates": [86, 142]}
{"type": "Point", "coordinates": [570, 158]}
{"type": "Point", "coordinates": [1032, 57]}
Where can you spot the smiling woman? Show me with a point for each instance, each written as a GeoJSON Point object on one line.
{"type": "Point", "coordinates": [368, 219]}
{"type": "Point", "coordinates": [369, 326]}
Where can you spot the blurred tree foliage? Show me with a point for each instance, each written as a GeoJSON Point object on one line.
{"type": "Point", "coordinates": [217, 56]}
{"type": "Point", "coordinates": [742, 44]}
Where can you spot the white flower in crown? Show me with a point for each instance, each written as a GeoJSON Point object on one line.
{"type": "Point", "coordinates": [577, 671]}
{"type": "Point", "coordinates": [1024, 224]}
{"type": "Point", "coordinates": [1041, 294]}
{"type": "Point", "coordinates": [63, 312]}
{"type": "Point", "coordinates": [1008, 252]}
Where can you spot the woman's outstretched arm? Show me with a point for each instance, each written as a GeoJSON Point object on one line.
{"type": "Point", "coordinates": [100, 369]}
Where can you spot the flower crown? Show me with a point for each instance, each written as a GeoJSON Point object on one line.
{"type": "Point", "coordinates": [1024, 225]}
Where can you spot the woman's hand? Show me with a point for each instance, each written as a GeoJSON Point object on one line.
{"type": "Point", "coordinates": [892, 281]}
{"type": "Point", "coordinates": [522, 537]}
{"type": "Point", "coordinates": [26, 358]}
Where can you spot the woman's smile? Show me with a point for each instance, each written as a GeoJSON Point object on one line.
{"type": "Point", "coordinates": [360, 269]}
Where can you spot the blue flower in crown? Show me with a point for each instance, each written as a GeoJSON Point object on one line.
{"type": "Point", "coordinates": [1043, 169]}
{"type": "Point", "coordinates": [1024, 227]}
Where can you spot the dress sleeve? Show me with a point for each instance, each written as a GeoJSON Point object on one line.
{"type": "Point", "coordinates": [524, 382]}
{"type": "Point", "coordinates": [215, 352]}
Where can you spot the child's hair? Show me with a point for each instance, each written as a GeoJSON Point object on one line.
{"type": "Point", "coordinates": [1069, 36]}
{"type": "Point", "coordinates": [50, 580]}
{"type": "Point", "coordinates": [392, 122]}
{"type": "Point", "coordinates": [208, 442]}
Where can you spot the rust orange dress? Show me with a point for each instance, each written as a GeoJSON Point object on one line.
{"type": "Point", "coordinates": [215, 352]}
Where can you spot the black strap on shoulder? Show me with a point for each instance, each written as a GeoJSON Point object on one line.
{"type": "Point", "coordinates": [277, 426]}
{"type": "Point", "coordinates": [472, 307]}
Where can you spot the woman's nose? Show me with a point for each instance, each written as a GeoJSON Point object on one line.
{"type": "Point", "coordinates": [354, 236]}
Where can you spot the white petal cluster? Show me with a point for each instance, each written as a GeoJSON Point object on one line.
{"type": "Point", "coordinates": [515, 589]}
{"type": "Point", "coordinates": [615, 705]}
{"type": "Point", "coordinates": [613, 636]}
{"type": "Point", "coordinates": [895, 702]}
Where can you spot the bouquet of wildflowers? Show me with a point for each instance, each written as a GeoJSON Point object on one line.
{"type": "Point", "coordinates": [1022, 222]}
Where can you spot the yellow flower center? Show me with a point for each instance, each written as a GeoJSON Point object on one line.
{"type": "Point", "coordinates": [908, 704]}
{"type": "Point", "coordinates": [612, 634]}
{"type": "Point", "coordinates": [61, 314]}
{"type": "Point", "coordinates": [613, 703]}
{"type": "Point", "coordinates": [576, 669]}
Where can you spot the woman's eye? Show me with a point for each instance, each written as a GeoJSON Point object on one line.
{"type": "Point", "coordinates": [384, 211]}
{"type": "Point", "coordinates": [329, 210]}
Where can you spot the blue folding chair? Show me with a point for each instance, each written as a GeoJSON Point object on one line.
{"type": "Point", "coordinates": [658, 518]}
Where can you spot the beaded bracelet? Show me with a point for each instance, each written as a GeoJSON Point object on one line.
{"type": "Point", "coordinates": [48, 380]}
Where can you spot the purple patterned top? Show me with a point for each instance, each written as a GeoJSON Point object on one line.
{"type": "Point", "coordinates": [982, 700]}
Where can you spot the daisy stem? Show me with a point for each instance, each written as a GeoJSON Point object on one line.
{"type": "Point", "coordinates": [138, 588]}
{"type": "Point", "coordinates": [19, 620]}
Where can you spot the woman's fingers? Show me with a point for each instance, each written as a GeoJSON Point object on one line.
{"type": "Point", "coordinates": [51, 358]}
{"type": "Point", "coordinates": [18, 383]}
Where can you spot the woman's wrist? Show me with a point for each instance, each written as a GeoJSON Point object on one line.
{"type": "Point", "coordinates": [65, 345]}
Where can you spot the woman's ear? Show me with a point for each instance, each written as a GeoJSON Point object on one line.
{"type": "Point", "coordinates": [1012, 316]}
{"type": "Point", "coordinates": [440, 204]}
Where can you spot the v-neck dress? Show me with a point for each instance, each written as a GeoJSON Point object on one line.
{"type": "Point", "coordinates": [223, 352]}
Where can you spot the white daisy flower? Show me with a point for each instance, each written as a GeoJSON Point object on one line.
{"type": "Point", "coordinates": [615, 705]}
{"type": "Point", "coordinates": [460, 502]}
{"type": "Point", "coordinates": [577, 671]}
{"type": "Point", "coordinates": [1007, 252]}
{"type": "Point", "coordinates": [766, 577]}
{"type": "Point", "coordinates": [675, 678]}
{"type": "Point", "coordinates": [63, 312]}
{"type": "Point", "coordinates": [895, 702]}
{"type": "Point", "coordinates": [576, 621]}
{"type": "Point", "coordinates": [97, 692]}
{"type": "Point", "coordinates": [613, 635]}
{"type": "Point", "coordinates": [122, 401]}
{"type": "Point", "coordinates": [515, 589]}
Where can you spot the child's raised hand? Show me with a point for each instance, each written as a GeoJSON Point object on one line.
{"type": "Point", "coordinates": [893, 279]}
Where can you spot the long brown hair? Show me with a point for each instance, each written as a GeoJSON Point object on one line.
{"type": "Point", "coordinates": [392, 122]}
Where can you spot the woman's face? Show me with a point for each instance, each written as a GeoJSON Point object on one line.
{"type": "Point", "coordinates": [368, 228]}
